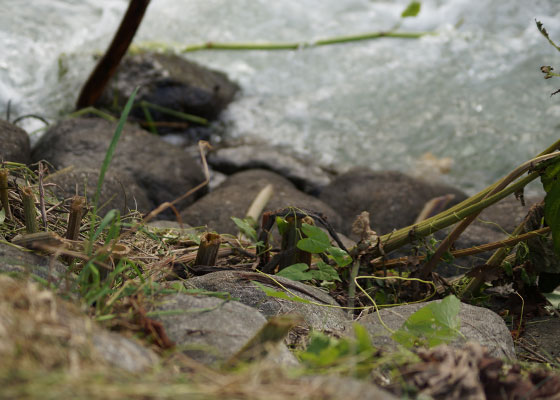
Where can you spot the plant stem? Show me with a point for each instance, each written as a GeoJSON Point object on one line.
{"type": "Point", "coordinates": [4, 193]}
{"type": "Point", "coordinates": [300, 45]}
{"type": "Point", "coordinates": [29, 211]}
{"type": "Point", "coordinates": [208, 249]}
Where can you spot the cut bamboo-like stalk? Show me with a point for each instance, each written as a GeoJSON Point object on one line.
{"type": "Point", "coordinates": [4, 193]}
{"type": "Point", "coordinates": [29, 210]}
{"type": "Point", "coordinates": [208, 249]}
{"type": "Point", "coordinates": [290, 254]}
{"type": "Point", "coordinates": [77, 208]}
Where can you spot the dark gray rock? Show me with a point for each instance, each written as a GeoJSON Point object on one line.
{"type": "Point", "coordinates": [235, 195]}
{"type": "Point", "coordinates": [478, 324]}
{"type": "Point", "coordinates": [212, 330]}
{"type": "Point", "coordinates": [308, 178]}
{"type": "Point", "coordinates": [162, 170]}
{"type": "Point", "coordinates": [239, 285]}
{"type": "Point", "coordinates": [122, 352]}
{"type": "Point", "coordinates": [392, 198]}
{"type": "Point", "coordinates": [505, 215]}
{"type": "Point", "coordinates": [24, 262]}
{"type": "Point", "coordinates": [173, 82]}
{"type": "Point", "coordinates": [15, 143]}
{"type": "Point", "coordinates": [119, 191]}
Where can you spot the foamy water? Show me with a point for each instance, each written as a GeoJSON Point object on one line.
{"type": "Point", "coordinates": [472, 93]}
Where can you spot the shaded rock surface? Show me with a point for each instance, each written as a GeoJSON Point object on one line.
{"type": "Point", "coordinates": [541, 335]}
{"type": "Point", "coordinates": [15, 143]}
{"type": "Point", "coordinates": [506, 214]}
{"type": "Point", "coordinates": [392, 198]}
{"type": "Point", "coordinates": [235, 195]}
{"type": "Point", "coordinates": [34, 321]}
{"type": "Point", "coordinates": [170, 81]}
{"type": "Point", "coordinates": [14, 260]}
{"type": "Point", "coordinates": [119, 191]}
{"type": "Point", "coordinates": [162, 170]}
{"type": "Point", "coordinates": [239, 285]}
{"type": "Point", "coordinates": [478, 324]}
{"type": "Point", "coordinates": [306, 177]}
{"type": "Point", "coordinates": [212, 330]}
{"type": "Point", "coordinates": [337, 387]}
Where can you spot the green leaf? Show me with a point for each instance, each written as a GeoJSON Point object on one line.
{"type": "Point", "coordinates": [431, 325]}
{"type": "Point", "coordinates": [362, 338]}
{"type": "Point", "coordinates": [296, 272]}
{"type": "Point", "coordinates": [245, 228]}
{"type": "Point", "coordinates": [325, 273]}
{"type": "Point", "coordinates": [553, 298]}
{"type": "Point", "coordinates": [280, 295]}
{"type": "Point", "coordinates": [339, 256]}
{"type": "Point", "coordinates": [411, 10]}
{"type": "Point", "coordinates": [282, 225]}
{"type": "Point", "coordinates": [551, 173]}
{"type": "Point", "coordinates": [316, 241]}
{"type": "Point", "coordinates": [2, 216]}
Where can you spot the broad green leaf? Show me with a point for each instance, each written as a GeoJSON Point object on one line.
{"type": "Point", "coordinates": [280, 295]}
{"type": "Point", "coordinates": [296, 272]}
{"type": "Point", "coordinates": [551, 173]}
{"type": "Point", "coordinates": [431, 325]}
{"type": "Point", "coordinates": [553, 298]}
{"type": "Point", "coordinates": [362, 338]}
{"type": "Point", "coordinates": [325, 272]}
{"type": "Point", "coordinates": [316, 241]}
{"type": "Point", "coordinates": [282, 225]}
{"type": "Point", "coordinates": [2, 216]}
{"type": "Point", "coordinates": [341, 257]}
{"type": "Point", "coordinates": [552, 213]}
{"type": "Point", "coordinates": [245, 228]}
{"type": "Point", "coordinates": [411, 10]}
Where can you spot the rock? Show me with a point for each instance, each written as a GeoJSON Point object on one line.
{"type": "Point", "coordinates": [308, 178]}
{"type": "Point", "coordinates": [505, 215]}
{"type": "Point", "coordinates": [119, 191]}
{"type": "Point", "coordinates": [338, 387]}
{"type": "Point", "coordinates": [163, 171]}
{"type": "Point", "coordinates": [211, 329]}
{"type": "Point", "coordinates": [540, 335]}
{"type": "Point", "coordinates": [36, 324]}
{"type": "Point", "coordinates": [170, 81]}
{"type": "Point", "coordinates": [22, 262]}
{"type": "Point", "coordinates": [478, 324]}
{"type": "Point", "coordinates": [15, 143]}
{"type": "Point", "coordinates": [392, 198]}
{"type": "Point", "coordinates": [239, 285]}
{"type": "Point", "coordinates": [235, 195]}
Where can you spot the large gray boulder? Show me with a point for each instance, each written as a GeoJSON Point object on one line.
{"type": "Point", "coordinates": [233, 197]}
{"type": "Point", "coordinates": [15, 143]}
{"type": "Point", "coordinates": [170, 81]}
{"type": "Point", "coordinates": [478, 324]}
{"type": "Point", "coordinates": [119, 191]}
{"type": "Point", "coordinates": [162, 170]}
{"type": "Point", "coordinates": [325, 316]}
{"type": "Point", "coordinates": [212, 330]}
{"type": "Point", "coordinates": [392, 198]}
{"type": "Point", "coordinates": [28, 264]}
{"type": "Point", "coordinates": [307, 177]}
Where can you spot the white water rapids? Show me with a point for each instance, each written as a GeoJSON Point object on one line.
{"type": "Point", "coordinates": [472, 92]}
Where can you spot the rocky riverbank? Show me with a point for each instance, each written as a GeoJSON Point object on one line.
{"type": "Point", "coordinates": [147, 171]}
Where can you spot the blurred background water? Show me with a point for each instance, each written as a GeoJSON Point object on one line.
{"type": "Point", "coordinates": [473, 92]}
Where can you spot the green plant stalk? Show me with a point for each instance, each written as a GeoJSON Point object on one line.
{"type": "Point", "coordinates": [453, 236]}
{"type": "Point", "coordinates": [4, 193]}
{"type": "Point", "coordinates": [299, 45]}
{"type": "Point", "coordinates": [394, 240]}
{"type": "Point", "coordinates": [174, 113]}
{"type": "Point", "coordinates": [149, 119]}
{"type": "Point", "coordinates": [29, 211]}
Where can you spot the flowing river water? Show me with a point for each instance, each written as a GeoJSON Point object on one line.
{"type": "Point", "coordinates": [472, 92]}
